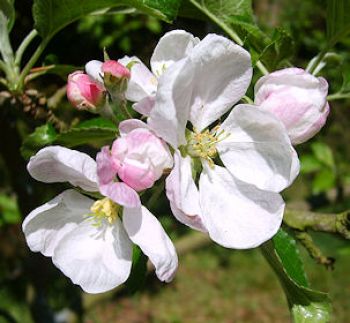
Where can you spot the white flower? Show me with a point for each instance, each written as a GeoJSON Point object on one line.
{"type": "Point", "coordinates": [86, 239]}
{"type": "Point", "coordinates": [238, 203]}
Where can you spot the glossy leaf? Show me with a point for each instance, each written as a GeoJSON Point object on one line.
{"type": "Point", "coordinates": [306, 305]}
{"type": "Point", "coordinates": [86, 135]}
{"type": "Point", "coordinates": [97, 122]}
{"type": "Point", "coordinates": [41, 137]}
{"type": "Point", "coordinates": [52, 15]}
{"type": "Point", "coordinates": [287, 250]}
{"type": "Point", "coordinates": [338, 20]}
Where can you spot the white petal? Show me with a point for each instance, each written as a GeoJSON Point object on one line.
{"type": "Point", "coordinates": [172, 47]}
{"type": "Point", "coordinates": [145, 106]}
{"type": "Point", "coordinates": [142, 82]}
{"type": "Point", "coordinates": [183, 194]}
{"type": "Point", "coordinates": [98, 258]}
{"type": "Point", "coordinates": [45, 226]}
{"type": "Point", "coordinates": [129, 125]}
{"type": "Point", "coordinates": [145, 230]}
{"type": "Point", "coordinates": [93, 69]}
{"type": "Point", "coordinates": [55, 164]}
{"type": "Point", "coordinates": [258, 150]}
{"type": "Point", "coordinates": [169, 116]}
{"type": "Point", "coordinates": [223, 73]}
{"type": "Point", "coordinates": [238, 215]}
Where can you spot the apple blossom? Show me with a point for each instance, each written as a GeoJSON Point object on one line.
{"type": "Point", "coordinates": [238, 204]}
{"type": "Point", "coordinates": [91, 241]}
{"type": "Point", "coordinates": [84, 93]}
{"type": "Point", "coordinates": [297, 98]}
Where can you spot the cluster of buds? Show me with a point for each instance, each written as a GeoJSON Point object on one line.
{"type": "Point", "coordinates": [89, 91]}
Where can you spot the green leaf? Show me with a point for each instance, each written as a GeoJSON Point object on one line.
{"type": "Point", "coordinates": [346, 82]}
{"type": "Point", "coordinates": [224, 13]}
{"type": "Point", "coordinates": [323, 181]}
{"type": "Point", "coordinates": [97, 122]}
{"type": "Point", "coordinates": [280, 48]}
{"type": "Point", "coordinates": [86, 135]}
{"type": "Point", "coordinates": [7, 18]}
{"type": "Point", "coordinates": [8, 9]}
{"type": "Point", "coordinates": [9, 211]}
{"type": "Point", "coordinates": [323, 153]}
{"type": "Point", "coordinates": [309, 164]}
{"type": "Point", "coordinates": [288, 252]}
{"type": "Point", "coordinates": [138, 273]}
{"type": "Point", "coordinates": [236, 18]}
{"type": "Point", "coordinates": [41, 137]}
{"type": "Point", "coordinates": [52, 15]}
{"type": "Point", "coordinates": [338, 20]}
{"type": "Point", "coordinates": [306, 305]}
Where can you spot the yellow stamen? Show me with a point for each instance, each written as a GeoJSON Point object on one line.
{"type": "Point", "coordinates": [105, 209]}
{"type": "Point", "coordinates": [203, 145]}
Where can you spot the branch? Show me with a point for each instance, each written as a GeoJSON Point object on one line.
{"type": "Point", "coordinates": [323, 222]}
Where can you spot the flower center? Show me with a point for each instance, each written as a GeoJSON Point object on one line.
{"type": "Point", "coordinates": [105, 209]}
{"type": "Point", "coordinates": [203, 144]}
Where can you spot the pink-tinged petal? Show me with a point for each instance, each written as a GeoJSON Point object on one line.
{"type": "Point", "coordinates": [106, 169]}
{"type": "Point", "coordinates": [137, 175]}
{"type": "Point", "coordinates": [56, 164]}
{"type": "Point", "coordinates": [115, 69]}
{"type": "Point", "coordinates": [129, 125]}
{"type": "Point", "coordinates": [223, 72]}
{"type": "Point", "coordinates": [145, 230]}
{"type": "Point", "coordinates": [170, 114]}
{"type": "Point", "coordinates": [238, 215]}
{"type": "Point", "coordinates": [142, 82]}
{"type": "Point", "coordinates": [145, 106]}
{"type": "Point", "coordinates": [172, 47]}
{"type": "Point", "coordinates": [297, 98]}
{"type": "Point", "coordinates": [121, 194]}
{"type": "Point", "coordinates": [141, 158]}
{"type": "Point", "coordinates": [183, 194]}
{"type": "Point", "coordinates": [49, 223]}
{"type": "Point", "coordinates": [257, 149]}
{"type": "Point", "coordinates": [84, 93]}
{"type": "Point", "coordinates": [96, 257]}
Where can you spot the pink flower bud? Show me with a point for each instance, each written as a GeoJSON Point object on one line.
{"type": "Point", "coordinates": [297, 98]}
{"type": "Point", "coordinates": [140, 158]}
{"type": "Point", "coordinates": [115, 69]}
{"type": "Point", "coordinates": [84, 93]}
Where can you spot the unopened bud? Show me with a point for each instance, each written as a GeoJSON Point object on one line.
{"type": "Point", "coordinates": [296, 98]}
{"type": "Point", "coordinates": [115, 77]}
{"type": "Point", "coordinates": [83, 93]}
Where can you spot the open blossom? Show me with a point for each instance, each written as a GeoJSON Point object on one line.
{"type": "Point", "coordinates": [297, 98]}
{"type": "Point", "coordinates": [84, 93]}
{"type": "Point", "coordinates": [236, 201]}
{"type": "Point", "coordinates": [91, 241]}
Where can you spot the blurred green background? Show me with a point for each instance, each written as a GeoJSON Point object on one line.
{"type": "Point", "coordinates": [213, 284]}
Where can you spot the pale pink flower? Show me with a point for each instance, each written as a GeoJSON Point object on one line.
{"type": "Point", "coordinates": [297, 98]}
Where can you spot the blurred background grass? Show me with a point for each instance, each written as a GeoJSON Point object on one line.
{"type": "Point", "coordinates": [213, 284]}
